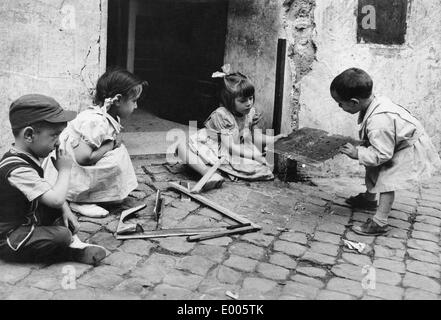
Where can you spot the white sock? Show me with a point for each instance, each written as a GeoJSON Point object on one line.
{"type": "Point", "coordinates": [381, 218]}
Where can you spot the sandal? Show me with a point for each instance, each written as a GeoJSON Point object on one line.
{"type": "Point", "coordinates": [370, 228]}
{"type": "Point", "coordinates": [360, 202]}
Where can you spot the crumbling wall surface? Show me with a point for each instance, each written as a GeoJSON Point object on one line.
{"type": "Point", "coordinates": [410, 74]}
{"type": "Point", "coordinates": [299, 26]}
{"type": "Point", "coordinates": [52, 47]}
{"type": "Point", "coordinates": [251, 46]}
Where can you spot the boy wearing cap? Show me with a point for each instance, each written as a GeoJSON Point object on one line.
{"type": "Point", "coordinates": [36, 223]}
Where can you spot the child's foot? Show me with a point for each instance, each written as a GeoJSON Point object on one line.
{"type": "Point", "coordinates": [86, 253]}
{"type": "Point", "coordinates": [370, 228]}
{"type": "Point", "coordinates": [215, 181]}
{"type": "Point", "coordinates": [89, 210]}
{"type": "Point", "coordinates": [359, 201]}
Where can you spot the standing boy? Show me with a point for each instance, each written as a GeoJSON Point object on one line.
{"type": "Point", "coordinates": [396, 152]}
{"type": "Point", "coordinates": [36, 223]}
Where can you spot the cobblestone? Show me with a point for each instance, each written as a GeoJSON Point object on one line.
{"type": "Point", "coordinates": [312, 271]}
{"type": "Point", "coordinates": [13, 273]}
{"type": "Point", "coordinates": [389, 253]}
{"type": "Point", "coordinates": [327, 237]}
{"type": "Point", "coordinates": [228, 275]}
{"type": "Point", "coordinates": [357, 259]}
{"type": "Point", "coordinates": [182, 279]}
{"type": "Point", "coordinates": [213, 253]}
{"type": "Point", "coordinates": [318, 258]}
{"type": "Point", "coordinates": [169, 292]}
{"type": "Point", "coordinates": [247, 250]}
{"type": "Point", "coordinates": [423, 245]}
{"type": "Point", "coordinates": [423, 256]}
{"type": "Point", "coordinates": [123, 261]}
{"type": "Point", "coordinates": [332, 228]}
{"type": "Point", "coordinates": [333, 295]}
{"type": "Point", "coordinates": [296, 255]}
{"type": "Point", "coordinates": [240, 263]}
{"type": "Point", "coordinates": [300, 290]}
{"type": "Point", "coordinates": [195, 264]}
{"type": "Point", "coordinates": [415, 294]}
{"type": "Point", "coordinates": [388, 277]}
{"type": "Point", "coordinates": [426, 228]}
{"type": "Point", "coordinates": [283, 261]}
{"type": "Point", "coordinates": [297, 237]}
{"type": "Point", "coordinates": [348, 271]}
{"type": "Point", "coordinates": [421, 282]}
{"type": "Point", "coordinates": [324, 248]}
{"type": "Point", "coordinates": [308, 281]}
{"type": "Point", "coordinates": [424, 236]}
{"type": "Point", "coordinates": [139, 247]}
{"type": "Point", "coordinates": [289, 248]}
{"type": "Point", "coordinates": [345, 286]}
{"type": "Point", "coordinates": [258, 239]}
{"type": "Point", "coordinates": [386, 292]}
{"type": "Point", "coordinates": [176, 244]}
{"type": "Point", "coordinates": [391, 265]}
{"type": "Point", "coordinates": [272, 271]}
{"type": "Point", "coordinates": [424, 268]}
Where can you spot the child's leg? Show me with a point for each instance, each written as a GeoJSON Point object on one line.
{"type": "Point", "coordinates": [370, 196]}
{"type": "Point", "coordinates": [378, 225]}
{"type": "Point", "coordinates": [46, 244]}
{"type": "Point", "coordinates": [384, 207]}
{"type": "Point", "coordinates": [196, 163]}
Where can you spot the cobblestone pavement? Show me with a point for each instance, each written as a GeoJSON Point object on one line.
{"type": "Point", "coordinates": [298, 254]}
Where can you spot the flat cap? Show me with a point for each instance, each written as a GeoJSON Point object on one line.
{"type": "Point", "coordinates": [32, 108]}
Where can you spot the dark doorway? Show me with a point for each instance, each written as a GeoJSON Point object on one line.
{"type": "Point", "coordinates": [177, 45]}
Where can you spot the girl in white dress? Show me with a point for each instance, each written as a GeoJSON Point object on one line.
{"type": "Point", "coordinates": [102, 169]}
{"type": "Point", "coordinates": [229, 135]}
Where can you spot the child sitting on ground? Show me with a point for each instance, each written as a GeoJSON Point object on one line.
{"type": "Point", "coordinates": [229, 134]}
{"type": "Point", "coordinates": [36, 224]}
{"type": "Point", "coordinates": [102, 171]}
{"type": "Point", "coordinates": [397, 152]}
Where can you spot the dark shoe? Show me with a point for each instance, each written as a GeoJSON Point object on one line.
{"type": "Point", "coordinates": [370, 228]}
{"type": "Point", "coordinates": [360, 202]}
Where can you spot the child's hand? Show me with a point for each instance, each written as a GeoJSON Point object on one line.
{"type": "Point", "coordinates": [349, 150]}
{"type": "Point", "coordinates": [117, 141]}
{"type": "Point", "coordinates": [70, 219]}
{"type": "Point", "coordinates": [261, 159]}
{"type": "Point", "coordinates": [280, 136]}
{"type": "Point", "coordinates": [63, 161]}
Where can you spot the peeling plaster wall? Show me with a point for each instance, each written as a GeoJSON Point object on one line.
{"type": "Point", "coordinates": [57, 48]}
{"type": "Point", "coordinates": [251, 47]}
{"type": "Point", "coordinates": [322, 42]}
{"type": "Point", "coordinates": [409, 74]}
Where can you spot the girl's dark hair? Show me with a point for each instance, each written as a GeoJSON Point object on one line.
{"type": "Point", "coordinates": [234, 85]}
{"type": "Point", "coordinates": [116, 81]}
{"type": "Point", "coordinates": [352, 83]}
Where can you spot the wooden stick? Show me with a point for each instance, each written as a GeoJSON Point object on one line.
{"type": "Point", "coordinates": [215, 206]}
{"type": "Point", "coordinates": [170, 233]}
{"type": "Point", "coordinates": [212, 235]}
{"type": "Point", "coordinates": [201, 183]}
{"type": "Point", "coordinates": [278, 93]}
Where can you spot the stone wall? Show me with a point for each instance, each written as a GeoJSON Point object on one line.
{"type": "Point", "coordinates": [322, 42]}
{"type": "Point", "coordinates": [57, 48]}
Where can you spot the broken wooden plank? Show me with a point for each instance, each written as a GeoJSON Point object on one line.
{"type": "Point", "coordinates": [201, 183]}
{"type": "Point", "coordinates": [122, 227]}
{"type": "Point", "coordinates": [170, 233]}
{"type": "Point", "coordinates": [214, 205]}
{"type": "Point", "coordinates": [212, 235]}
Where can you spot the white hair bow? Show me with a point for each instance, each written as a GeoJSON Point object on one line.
{"type": "Point", "coordinates": [226, 70]}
